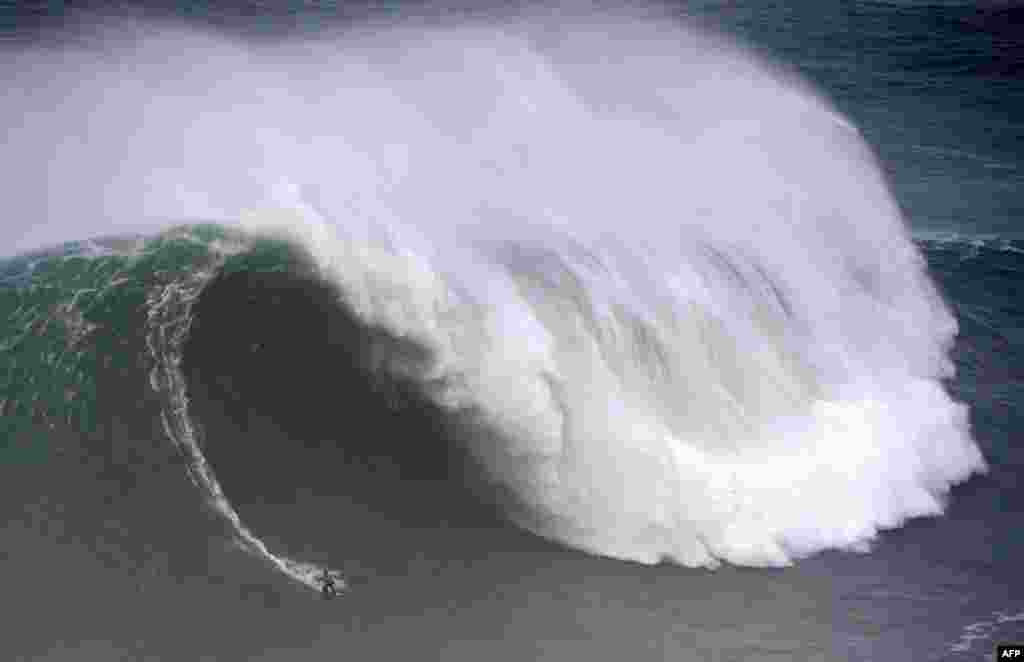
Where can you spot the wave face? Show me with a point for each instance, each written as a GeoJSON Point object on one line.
{"type": "Point", "coordinates": [657, 288]}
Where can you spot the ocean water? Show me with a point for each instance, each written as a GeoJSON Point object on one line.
{"type": "Point", "coordinates": [669, 333]}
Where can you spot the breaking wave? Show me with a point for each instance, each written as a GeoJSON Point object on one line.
{"type": "Point", "coordinates": [660, 284]}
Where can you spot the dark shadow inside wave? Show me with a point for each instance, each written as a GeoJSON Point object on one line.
{"type": "Point", "coordinates": [310, 443]}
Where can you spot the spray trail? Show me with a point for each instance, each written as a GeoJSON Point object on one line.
{"type": "Point", "coordinates": [169, 320]}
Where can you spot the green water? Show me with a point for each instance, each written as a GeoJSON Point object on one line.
{"type": "Point", "coordinates": [67, 316]}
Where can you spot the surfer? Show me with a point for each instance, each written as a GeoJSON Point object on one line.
{"type": "Point", "coordinates": [329, 589]}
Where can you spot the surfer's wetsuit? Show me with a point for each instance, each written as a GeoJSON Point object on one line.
{"type": "Point", "coordinates": [329, 590]}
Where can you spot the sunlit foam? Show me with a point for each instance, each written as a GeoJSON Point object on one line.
{"type": "Point", "coordinates": [668, 281]}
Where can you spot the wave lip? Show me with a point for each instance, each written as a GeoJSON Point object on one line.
{"type": "Point", "coordinates": [749, 371]}
{"type": "Point", "coordinates": [698, 377]}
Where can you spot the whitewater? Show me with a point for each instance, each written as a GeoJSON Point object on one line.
{"type": "Point", "coordinates": [662, 284]}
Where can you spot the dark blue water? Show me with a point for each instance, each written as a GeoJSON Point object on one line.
{"type": "Point", "coordinates": [936, 87]}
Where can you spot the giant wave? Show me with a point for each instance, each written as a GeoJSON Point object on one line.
{"type": "Point", "coordinates": [661, 285]}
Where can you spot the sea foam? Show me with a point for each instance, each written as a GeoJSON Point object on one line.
{"type": "Point", "coordinates": [662, 279]}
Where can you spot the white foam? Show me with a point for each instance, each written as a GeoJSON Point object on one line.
{"type": "Point", "coordinates": [672, 283]}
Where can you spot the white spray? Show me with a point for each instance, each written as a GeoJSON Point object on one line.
{"type": "Point", "coordinates": [668, 280]}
